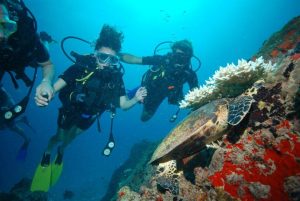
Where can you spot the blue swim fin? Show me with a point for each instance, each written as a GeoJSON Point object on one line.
{"type": "Point", "coordinates": [22, 153]}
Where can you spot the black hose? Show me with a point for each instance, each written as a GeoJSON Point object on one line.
{"type": "Point", "coordinates": [199, 63]}
{"type": "Point", "coordinates": [31, 14]}
{"type": "Point", "coordinates": [159, 44]}
{"type": "Point", "coordinates": [63, 48]}
{"type": "Point", "coordinates": [170, 42]}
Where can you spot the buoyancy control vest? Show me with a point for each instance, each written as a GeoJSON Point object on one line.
{"type": "Point", "coordinates": [165, 76]}
{"type": "Point", "coordinates": [99, 87]}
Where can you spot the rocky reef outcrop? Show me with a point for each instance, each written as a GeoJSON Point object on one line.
{"type": "Point", "coordinates": [21, 192]}
{"type": "Point", "coordinates": [256, 159]}
{"type": "Point", "coordinates": [134, 173]}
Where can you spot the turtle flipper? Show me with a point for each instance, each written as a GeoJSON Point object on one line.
{"type": "Point", "coordinates": [238, 109]}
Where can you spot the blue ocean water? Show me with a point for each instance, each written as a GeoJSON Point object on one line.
{"type": "Point", "coordinates": [221, 32]}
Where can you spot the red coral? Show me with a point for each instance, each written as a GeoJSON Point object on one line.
{"type": "Point", "coordinates": [159, 198]}
{"type": "Point", "coordinates": [274, 53]}
{"type": "Point", "coordinates": [296, 56]}
{"type": "Point", "coordinates": [121, 194]}
{"type": "Point", "coordinates": [278, 162]}
{"type": "Point", "coordinates": [290, 33]}
{"type": "Point", "coordinates": [284, 124]}
{"type": "Point", "coordinates": [286, 45]}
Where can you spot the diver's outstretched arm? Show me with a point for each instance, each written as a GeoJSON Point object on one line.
{"type": "Point", "coordinates": [130, 59]}
{"type": "Point", "coordinates": [59, 84]}
{"type": "Point", "coordinates": [45, 87]}
{"type": "Point", "coordinates": [125, 103]}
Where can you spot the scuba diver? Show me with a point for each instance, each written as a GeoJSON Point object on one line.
{"type": "Point", "coordinates": [21, 47]}
{"type": "Point", "coordinates": [166, 76]}
{"type": "Point", "coordinates": [86, 89]}
{"type": "Point", "coordinates": [5, 102]}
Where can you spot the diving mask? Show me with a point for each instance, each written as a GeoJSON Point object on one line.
{"type": "Point", "coordinates": [107, 58]}
{"type": "Point", "coordinates": [181, 58]}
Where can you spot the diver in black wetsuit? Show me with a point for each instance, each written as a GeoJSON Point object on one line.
{"type": "Point", "coordinates": [20, 47]}
{"type": "Point", "coordinates": [86, 89]}
{"type": "Point", "coordinates": [166, 77]}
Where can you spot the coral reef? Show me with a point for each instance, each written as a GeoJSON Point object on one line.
{"type": "Point", "coordinates": [135, 172]}
{"type": "Point", "coordinates": [229, 81]}
{"type": "Point", "coordinates": [232, 80]}
{"type": "Point", "coordinates": [21, 192]}
{"type": "Point", "coordinates": [282, 42]}
{"type": "Point", "coordinates": [255, 159]}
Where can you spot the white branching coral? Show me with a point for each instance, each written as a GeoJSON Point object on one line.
{"type": "Point", "coordinates": [229, 81]}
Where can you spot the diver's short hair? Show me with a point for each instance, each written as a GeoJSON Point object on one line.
{"type": "Point", "coordinates": [109, 37]}
{"type": "Point", "coordinates": [185, 46]}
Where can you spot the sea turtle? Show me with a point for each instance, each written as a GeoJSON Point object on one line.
{"type": "Point", "coordinates": [204, 125]}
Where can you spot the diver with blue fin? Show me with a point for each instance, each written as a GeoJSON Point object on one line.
{"type": "Point", "coordinates": [166, 76]}
{"type": "Point", "coordinates": [93, 85]}
{"type": "Point", "coordinates": [6, 101]}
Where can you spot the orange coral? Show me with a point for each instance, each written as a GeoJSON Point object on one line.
{"type": "Point", "coordinates": [286, 45]}
{"type": "Point", "coordinates": [159, 198]}
{"type": "Point", "coordinates": [121, 194]}
{"type": "Point", "coordinates": [296, 56]}
{"type": "Point", "coordinates": [274, 53]}
{"type": "Point", "coordinates": [284, 124]}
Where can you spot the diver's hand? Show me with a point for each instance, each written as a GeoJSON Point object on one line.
{"type": "Point", "coordinates": [44, 93]}
{"type": "Point", "coordinates": [140, 94]}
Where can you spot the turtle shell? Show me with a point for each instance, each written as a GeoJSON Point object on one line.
{"type": "Point", "coordinates": [201, 127]}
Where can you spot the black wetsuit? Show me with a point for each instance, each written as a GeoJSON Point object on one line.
{"type": "Point", "coordinates": [102, 90]}
{"type": "Point", "coordinates": [23, 48]}
{"type": "Point", "coordinates": [164, 80]}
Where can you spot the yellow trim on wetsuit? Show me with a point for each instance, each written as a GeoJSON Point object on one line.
{"type": "Point", "coordinates": [70, 96]}
{"type": "Point", "coordinates": [84, 79]}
